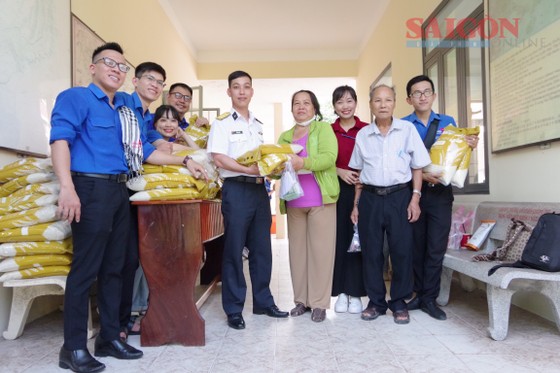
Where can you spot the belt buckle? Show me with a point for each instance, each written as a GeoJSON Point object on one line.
{"type": "Point", "coordinates": [122, 178]}
{"type": "Point", "coordinates": [381, 191]}
{"type": "Point", "coordinates": [259, 180]}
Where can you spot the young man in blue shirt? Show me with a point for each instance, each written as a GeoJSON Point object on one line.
{"type": "Point", "coordinates": [96, 145]}
{"type": "Point", "coordinates": [431, 231]}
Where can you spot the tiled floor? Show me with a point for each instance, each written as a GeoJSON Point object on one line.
{"type": "Point", "coordinates": [343, 343]}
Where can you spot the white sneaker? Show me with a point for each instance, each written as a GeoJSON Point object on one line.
{"type": "Point", "coordinates": [355, 305]}
{"type": "Point", "coordinates": [341, 304]}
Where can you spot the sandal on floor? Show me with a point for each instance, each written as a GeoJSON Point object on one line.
{"type": "Point", "coordinates": [123, 334]}
{"type": "Point", "coordinates": [134, 325]}
{"type": "Point", "coordinates": [401, 316]}
{"type": "Point", "coordinates": [371, 313]}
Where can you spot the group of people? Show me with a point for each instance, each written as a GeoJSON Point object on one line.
{"type": "Point", "coordinates": [351, 173]}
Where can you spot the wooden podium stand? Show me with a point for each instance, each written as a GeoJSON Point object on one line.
{"type": "Point", "coordinates": [173, 238]}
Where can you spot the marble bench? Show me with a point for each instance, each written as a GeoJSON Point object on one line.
{"type": "Point", "coordinates": [24, 292]}
{"type": "Point", "coordinates": [505, 282]}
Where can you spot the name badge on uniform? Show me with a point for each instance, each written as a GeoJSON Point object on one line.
{"type": "Point", "coordinates": [236, 132]}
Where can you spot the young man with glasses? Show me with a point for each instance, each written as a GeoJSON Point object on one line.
{"type": "Point", "coordinates": [96, 145]}
{"type": "Point", "coordinates": [180, 97]}
{"type": "Point", "coordinates": [149, 81]}
{"type": "Point", "coordinates": [431, 231]}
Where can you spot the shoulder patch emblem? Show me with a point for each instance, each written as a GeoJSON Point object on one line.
{"type": "Point", "coordinates": [223, 116]}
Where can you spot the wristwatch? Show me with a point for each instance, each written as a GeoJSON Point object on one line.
{"type": "Point", "coordinates": [417, 192]}
{"type": "Point", "coordinates": [186, 160]}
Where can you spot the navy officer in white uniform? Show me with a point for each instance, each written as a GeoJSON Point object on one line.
{"type": "Point", "coordinates": [245, 206]}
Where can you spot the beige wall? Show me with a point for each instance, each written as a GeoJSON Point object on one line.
{"type": "Point", "coordinates": [388, 45]}
{"type": "Point", "coordinates": [143, 30]}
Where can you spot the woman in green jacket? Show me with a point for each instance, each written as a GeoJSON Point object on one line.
{"type": "Point", "coordinates": [312, 217]}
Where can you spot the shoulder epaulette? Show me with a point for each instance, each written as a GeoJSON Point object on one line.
{"type": "Point", "coordinates": [223, 116]}
{"type": "Point", "coordinates": [258, 121]}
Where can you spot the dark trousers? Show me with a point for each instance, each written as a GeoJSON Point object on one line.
{"type": "Point", "coordinates": [348, 274]}
{"type": "Point", "coordinates": [247, 220]}
{"type": "Point", "coordinates": [431, 233]}
{"type": "Point", "coordinates": [99, 241]}
{"type": "Point", "coordinates": [129, 268]}
{"type": "Point", "coordinates": [380, 215]}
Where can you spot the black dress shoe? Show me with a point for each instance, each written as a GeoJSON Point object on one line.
{"type": "Point", "coordinates": [414, 304]}
{"type": "Point", "coordinates": [79, 361]}
{"type": "Point", "coordinates": [116, 348]}
{"type": "Point", "coordinates": [235, 321]}
{"type": "Point", "coordinates": [433, 310]}
{"type": "Point", "coordinates": [271, 311]}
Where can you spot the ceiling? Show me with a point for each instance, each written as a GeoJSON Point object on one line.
{"type": "Point", "coordinates": [267, 30]}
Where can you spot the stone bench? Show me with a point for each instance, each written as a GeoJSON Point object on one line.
{"type": "Point", "coordinates": [24, 292]}
{"type": "Point", "coordinates": [505, 282]}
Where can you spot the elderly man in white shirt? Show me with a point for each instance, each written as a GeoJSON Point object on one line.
{"type": "Point", "coordinates": [390, 156]}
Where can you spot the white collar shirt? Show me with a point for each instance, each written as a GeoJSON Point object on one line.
{"type": "Point", "coordinates": [388, 160]}
{"type": "Point", "coordinates": [233, 136]}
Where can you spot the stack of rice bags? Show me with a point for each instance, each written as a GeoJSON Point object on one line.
{"type": "Point", "coordinates": [451, 155]}
{"type": "Point", "coordinates": [270, 158]}
{"type": "Point", "coordinates": [33, 242]}
{"type": "Point", "coordinates": [173, 182]}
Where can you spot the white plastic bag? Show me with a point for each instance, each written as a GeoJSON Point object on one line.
{"type": "Point", "coordinates": [290, 188]}
{"type": "Point", "coordinates": [355, 246]}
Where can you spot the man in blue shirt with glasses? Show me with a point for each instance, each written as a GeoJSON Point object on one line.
{"type": "Point", "coordinates": [96, 145]}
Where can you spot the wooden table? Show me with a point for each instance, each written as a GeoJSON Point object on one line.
{"type": "Point", "coordinates": [174, 237]}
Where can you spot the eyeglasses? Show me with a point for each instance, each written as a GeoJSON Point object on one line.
{"type": "Point", "coordinates": [418, 94]}
{"type": "Point", "coordinates": [153, 80]}
{"type": "Point", "coordinates": [180, 96]}
{"type": "Point", "coordinates": [112, 63]}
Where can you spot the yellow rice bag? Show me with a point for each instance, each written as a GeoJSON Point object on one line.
{"type": "Point", "coordinates": [36, 248]}
{"type": "Point", "coordinates": [36, 273]}
{"type": "Point", "coordinates": [164, 180]}
{"type": "Point", "coordinates": [269, 157]}
{"type": "Point", "coordinates": [52, 187]}
{"type": "Point", "coordinates": [34, 261]}
{"type": "Point", "coordinates": [24, 166]}
{"type": "Point", "coordinates": [43, 214]}
{"type": "Point", "coordinates": [168, 194]}
{"type": "Point", "coordinates": [157, 169]}
{"type": "Point", "coordinates": [20, 203]}
{"type": "Point", "coordinates": [448, 152]}
{"type": "Point", "coordinates": [22, 181]}
{"type": "Point", "coordinates": [198, 134]}
{"type": "Point", "coordinates": [54, 231]}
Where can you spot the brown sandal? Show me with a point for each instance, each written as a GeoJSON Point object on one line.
{"type": "Point", "coordinates": [371, 313]}
{"type": "Point", "coordinates": [401, 317]}
{"type": "Point", "coordinates": [299, 310]}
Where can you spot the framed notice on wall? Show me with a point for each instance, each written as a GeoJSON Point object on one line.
{"type": "Point", "coordinates": [524, 72]}
{"type": "Point", "coordinates": [84, 42]}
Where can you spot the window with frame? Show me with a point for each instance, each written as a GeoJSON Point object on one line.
{"type": "Point", "coordinates": [453, 57]}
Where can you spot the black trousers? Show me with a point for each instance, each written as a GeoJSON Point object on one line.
{"type": "Point", "coordinates": [99, 240]}
{"type": "Point", "coordinates": [348, 274]}
{"type": "Point", "coordinates": [247, 221]}
{"type": "Point", "coordinates": [380, 215]}
{"type": "Point", "coordinates": [129, 268]}
{"type": "Point", "coordinates": [431, 233]}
